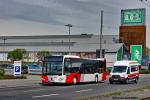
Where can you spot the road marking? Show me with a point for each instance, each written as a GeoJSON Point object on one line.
{"type": "Point", "coordinates": [84, 90]}
{"type": "Point", "coordinates": [63, 87]}
{"type": "Point", "coordinates": [34, 90]}
{"type": "Point", "coordinates": [44, 95]}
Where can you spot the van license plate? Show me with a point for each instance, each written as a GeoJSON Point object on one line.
{"type": "Point", "coordinates": [115, 79]}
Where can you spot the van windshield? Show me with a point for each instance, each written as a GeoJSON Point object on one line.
{"type": "Point", "coordinates": [119, 69]}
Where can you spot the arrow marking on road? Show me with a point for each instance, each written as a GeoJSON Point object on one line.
{"type": "Point", "coordinates": [44, 95]}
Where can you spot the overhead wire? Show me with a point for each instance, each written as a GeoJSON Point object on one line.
{"type": "Point", "coordinates": [146, 4]}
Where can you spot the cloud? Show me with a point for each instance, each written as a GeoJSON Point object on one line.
{"type": "Point", "coordinates": [84, 15]}
{"type": "Point", "coordinates": [16, 10]}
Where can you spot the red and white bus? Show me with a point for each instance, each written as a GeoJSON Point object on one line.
{"type": "Point", "coordinates": [72, 69]}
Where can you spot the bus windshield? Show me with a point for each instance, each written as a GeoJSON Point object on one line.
{"type": "Point", "coordinates": [119, 69]}
{"type": "Point", "coordinates": [53, 65]}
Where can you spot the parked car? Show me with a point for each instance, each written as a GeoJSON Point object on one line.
{"type": "Point", "coordinates": [6, 66]}
{"type": "Point", "coordinates": [24, 69]}
{"type": "Point", "coordinates": [34, 69]}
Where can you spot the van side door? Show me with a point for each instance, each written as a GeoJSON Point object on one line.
{"type": "Point", "coordinates": [134, 71]}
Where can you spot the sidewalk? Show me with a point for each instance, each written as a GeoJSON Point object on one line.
{"type": "Point", "coordinates": [31, 80]}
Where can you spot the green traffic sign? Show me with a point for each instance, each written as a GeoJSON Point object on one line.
{"type": "Point", "coordinates": [136, 53]}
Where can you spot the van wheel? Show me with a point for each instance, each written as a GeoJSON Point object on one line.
{"type": "Point", "coordinates": [74, 80]}
{"type": "Point", "coordinates": [127, 81]}
{"type": "Point", "coordinates": [96, 79]}
{"type": "Point", "coordinates": [111, 82]}
{"type": "Point", "coordinates": [136, 80]}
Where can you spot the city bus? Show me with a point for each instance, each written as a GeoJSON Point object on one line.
{"type": "Point", "coordinates": [71, 69]}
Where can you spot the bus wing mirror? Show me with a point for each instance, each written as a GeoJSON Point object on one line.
{"type": "Point", "coordinates": [80, 71]}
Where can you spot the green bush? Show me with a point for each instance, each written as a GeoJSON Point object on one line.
{"type": "Point", "coordinates": [144, 72]}
{"type": "Point", "coordinates": [2, 72]}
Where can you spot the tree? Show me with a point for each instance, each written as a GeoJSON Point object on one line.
{"type": "Point", "coordinates": [42, 54]}
{"type": "Point", "coordinates": [17, 54]}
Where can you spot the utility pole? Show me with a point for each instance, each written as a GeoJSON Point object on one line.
{"type": "Point", "coordinates": [101, 31]}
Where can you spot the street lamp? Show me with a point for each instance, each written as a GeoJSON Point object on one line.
{"type": "Point", "coordinates": [69, 25]}
{"type": "Point", "coordinates": [101, 31]}
{"type": "Point", "coordinates": [4, 38]}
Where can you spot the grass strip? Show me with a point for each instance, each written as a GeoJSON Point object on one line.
{"type": "Point", "coordinates": [111, 94]}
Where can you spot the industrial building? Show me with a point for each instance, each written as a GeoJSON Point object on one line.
{"type": "Point", "coordinates": [83, 45]}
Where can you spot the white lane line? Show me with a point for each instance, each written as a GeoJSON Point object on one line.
{"type": "Point", "coordinates": [34, 90]}
{"type": "Point", "coordinates": [64, 87]}
{"type": "Point", "coordinates": [84, 90]}
{"type": "Point", "coordinates": [44, 95]}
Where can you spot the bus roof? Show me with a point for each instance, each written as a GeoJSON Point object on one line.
{"type": "Point", "coordinates": [126, 63]}
{"type": "Point", "coordinates": [74, 56]}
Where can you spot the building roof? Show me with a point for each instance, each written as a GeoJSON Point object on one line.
{"type": "Point", "coordinates": [47, 36]}
{"type": "Point", "coordinates": [60, 43]}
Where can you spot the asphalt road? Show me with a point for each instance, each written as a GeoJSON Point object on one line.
{"type": "Point", "coordinates": [66, 92]}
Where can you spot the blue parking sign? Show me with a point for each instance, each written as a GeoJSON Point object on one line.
{"type": "Point", "coordinates": [17, 68]}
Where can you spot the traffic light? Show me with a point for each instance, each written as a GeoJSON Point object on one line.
{"type": "Point", "coordinates": [98, 53]}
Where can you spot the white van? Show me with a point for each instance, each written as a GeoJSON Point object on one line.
{"type": "Point", "coordinates": [124, 72]}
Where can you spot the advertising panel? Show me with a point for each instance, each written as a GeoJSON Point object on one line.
{"type": "Point", "coordinates": [133, 16]}
{"type": "Point", "coordinates": [136, 53]}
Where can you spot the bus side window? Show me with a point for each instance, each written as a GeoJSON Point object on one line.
{"type": "Point", "coordinates": [128, 71]}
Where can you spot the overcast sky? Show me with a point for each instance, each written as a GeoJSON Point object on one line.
{"type": "Point", "coordinates": [48, 17]}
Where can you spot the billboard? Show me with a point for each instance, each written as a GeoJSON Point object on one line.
{"type": "Point", "coordinates": [136, 53]}
{"type": "Point", "coordinates": [133, 16]}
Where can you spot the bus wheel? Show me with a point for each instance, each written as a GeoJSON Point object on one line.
{"type": "Point", "coordinates": [74, 80]}
{"type": "Point", "coordinates": [96, 79]}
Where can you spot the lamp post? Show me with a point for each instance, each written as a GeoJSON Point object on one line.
{"type": "Point", "coordinates": [69, 25]}
{"type": "Point", "coordinates": [4, 38]}
{"type": "Point", "coordinates": [101, 33]}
